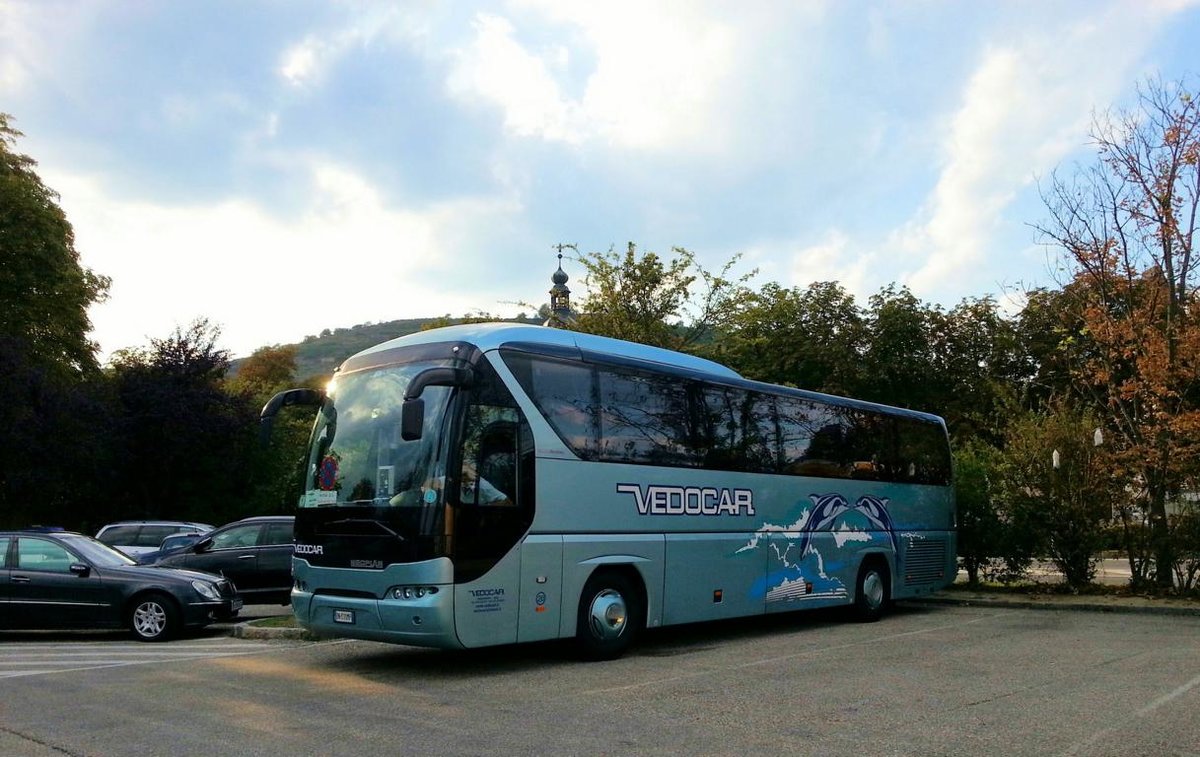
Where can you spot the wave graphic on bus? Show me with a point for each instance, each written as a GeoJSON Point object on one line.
{"type": "Point", "coordinates": [802, 575]}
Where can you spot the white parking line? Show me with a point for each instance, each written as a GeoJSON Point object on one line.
{"type": "Point", "coordinates": [55, 657]}
{"type": "Point", "coordinates": [6, 654]}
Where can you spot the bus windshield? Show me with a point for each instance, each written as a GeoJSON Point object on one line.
{"type": "Point", "coordinates": [357, 456]}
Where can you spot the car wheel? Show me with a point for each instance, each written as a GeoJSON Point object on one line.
{"type": "Point", "coordinates": [871, 591]}
{"type": "Point", "coordinates": [153, 617]}
{"type": "Point", "coordinates": [610, 614]}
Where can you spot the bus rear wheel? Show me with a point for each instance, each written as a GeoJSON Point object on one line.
{"type": "Point", "coordinates": [872, 591]}
{"type": "Point", "coordinates": [610, 614]}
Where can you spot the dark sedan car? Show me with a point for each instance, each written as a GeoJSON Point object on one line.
{"type": "Point", "coordinates": [68, 580]}
{"type": "Point", "coordinates": [254, 553]}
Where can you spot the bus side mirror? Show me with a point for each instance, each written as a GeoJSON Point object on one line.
{"type": "Point", "coordinates": [412, 419]}
{"type": "Point", "coordinates": [412, 412]}
{"type": "Point", "coordinates": [280, 401]}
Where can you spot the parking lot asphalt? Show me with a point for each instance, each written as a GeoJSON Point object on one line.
{"type": "Point", "coordinates": [250, 624]}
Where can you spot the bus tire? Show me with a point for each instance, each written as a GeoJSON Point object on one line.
{"type": "Point", "coordinates": [871, 591]}
{"type": "Point", "coordinates": [610, 614]}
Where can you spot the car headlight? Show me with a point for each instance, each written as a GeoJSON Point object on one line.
{"type": "Point", "coordinates": [206, 589]}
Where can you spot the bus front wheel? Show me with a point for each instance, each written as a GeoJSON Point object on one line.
{"type": "Point", "coordinates": [871, 592]}
{"type": "Point", "coordinates": [610, 614]}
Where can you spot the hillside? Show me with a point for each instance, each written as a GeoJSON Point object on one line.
{"type": "Point", "coordinates": [319, 355]}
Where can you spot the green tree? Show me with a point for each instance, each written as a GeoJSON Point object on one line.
{"type": "Point", "coordinates": [1047, 329]}
{"type": "Point", "coordinates": [275, 469]}
{"type": "Point", "coordinates": [674, 303]}
{"type": "Point", "coordinates": [979, 360]}
{"type": "Point", "coordinates": [267, 369]}
{"type": "Point", "coordinates": [1186, 532]}
{"type": "Point", "coordinates": [902, 362]}
{"type": "Point", "coordinates": [52, 411]}
{"type": "Point", "coordinates": [1057, 478]}
{"type": "Point", "coordinates": [186, 442]}
{"type": "Point", "coordinates": [981, 529]}
{"type": "Point", "coordinates": [45, 290]}
{"type": "Point", "coordinates": [810, 338]}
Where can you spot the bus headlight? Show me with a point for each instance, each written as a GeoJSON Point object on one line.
{"type": "Point", "coordinates": [412, 592]}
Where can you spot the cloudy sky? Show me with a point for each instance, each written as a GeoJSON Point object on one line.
{"type": "Point", "coordinates": [285, 167]}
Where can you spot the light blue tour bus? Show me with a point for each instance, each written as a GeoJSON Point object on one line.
{"type": "Point", "coordinates": [495, 483]}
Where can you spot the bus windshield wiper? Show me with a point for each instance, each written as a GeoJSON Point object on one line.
{"type": "Point", "coordinates": [357, 527]}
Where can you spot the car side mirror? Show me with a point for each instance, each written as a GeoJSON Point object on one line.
{"type": "Point", "coordinates": [202, 546]}
{"type": "Point", "coordinates": [83, 570]}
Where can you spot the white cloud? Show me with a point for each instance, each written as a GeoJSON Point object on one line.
{"type": "Point", "coordinates": [661, 73]}
{"type": "Point", "coordinates": [833, 260]}
{"type": "Point", "coordinates": [348, 259]}
{"type": "Point", "coordinates": [34, 39]}
{"type": "Point", "coordinates": [666, 76]}
{"type": "Point", "coordinates": [1026, 107]}
{"type": "Point", "coordinates": [497, 68]}
{"type": "Point", "coordinates": [15, 48]}
{"type": "Point", "coordinates": [673, 76]}
{"type": "Point", "coordinates": [307, 63]}
{"type": "Point", "coordinates": [299, 65]}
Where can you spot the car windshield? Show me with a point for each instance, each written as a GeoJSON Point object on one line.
{"type": "Point", "coordinates": [100, 555]}
{"type": "Point", "coordinates": [182, 540]}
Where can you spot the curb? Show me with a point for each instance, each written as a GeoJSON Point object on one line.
{"type": "Point", "coordinates": [1062, 606]}
{"type": "Point", "coordinates": [249, 630]}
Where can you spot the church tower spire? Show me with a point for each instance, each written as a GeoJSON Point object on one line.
{"type": "Point", "coordinates": [560, 297]}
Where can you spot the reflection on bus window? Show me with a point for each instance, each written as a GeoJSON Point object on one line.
{"type": "Point", "coordinates": [622, 415]}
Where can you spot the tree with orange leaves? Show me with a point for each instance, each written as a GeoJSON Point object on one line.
{"type": "Point", "coordinates": [1125, 230]}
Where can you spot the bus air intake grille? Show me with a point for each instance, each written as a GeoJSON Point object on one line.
{"type": "Point", "coordinates": [348, 593]}
{"type": "Point", "coordinates": [924, 561]}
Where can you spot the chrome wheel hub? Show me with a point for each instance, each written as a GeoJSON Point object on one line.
{"type": "Point", "coordinates": [873, 589]}
{"type": "Point", "coordinates": [607, 615]}
{"type": "Point", "coordinates": [150, 619]}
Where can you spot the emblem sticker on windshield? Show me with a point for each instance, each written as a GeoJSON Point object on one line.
{"type": "Point", "coordinates": [327, 474]}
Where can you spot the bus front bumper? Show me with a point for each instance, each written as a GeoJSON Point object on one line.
{"type": "Point", "coordinates": [423, 622]}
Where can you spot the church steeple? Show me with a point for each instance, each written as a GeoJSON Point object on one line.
{"type": "Point", "coordinates": [560, 298]}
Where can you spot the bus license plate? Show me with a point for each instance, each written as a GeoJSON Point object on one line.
{"type": "Point", "coordinates": [343, 616]}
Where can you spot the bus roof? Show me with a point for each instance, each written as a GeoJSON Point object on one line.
{"type": "Point", "coordinates": [490, 336]}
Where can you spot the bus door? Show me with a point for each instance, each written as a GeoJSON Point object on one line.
{"type": "Point", "coordinates": [492, 503]}
{"type": "Point", "coordinates": [490, 514]}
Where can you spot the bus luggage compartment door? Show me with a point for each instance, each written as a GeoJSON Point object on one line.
{"type": "Point", "coordinates": [485, 610]}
